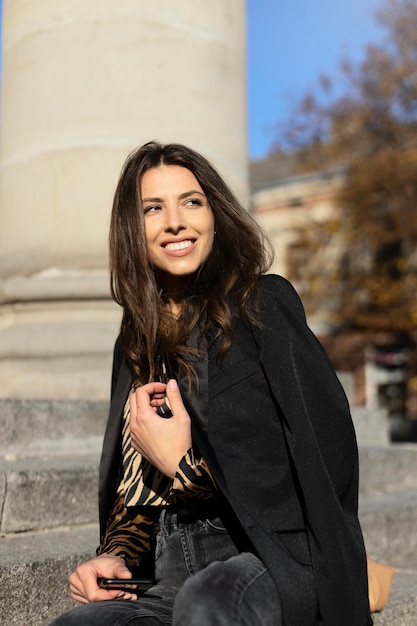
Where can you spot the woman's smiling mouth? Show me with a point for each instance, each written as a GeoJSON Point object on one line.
{"type": "Point", "coordinates": [179, 245]}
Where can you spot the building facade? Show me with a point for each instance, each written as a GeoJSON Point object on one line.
{"type": "Point", "coordinates": [376, 371]}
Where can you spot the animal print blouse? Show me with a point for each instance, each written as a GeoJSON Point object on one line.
{"type": "Point", "coordinates": [129, 532]}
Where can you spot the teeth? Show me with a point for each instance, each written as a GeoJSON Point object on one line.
{"type": "Point", "coordinates": [180, 245]}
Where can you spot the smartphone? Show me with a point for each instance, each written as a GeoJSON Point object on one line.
{"type": "Point", "coordinates": [140, 584]}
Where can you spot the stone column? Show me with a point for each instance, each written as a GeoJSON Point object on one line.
{"type": "Point", "coordinates": [84, 83]}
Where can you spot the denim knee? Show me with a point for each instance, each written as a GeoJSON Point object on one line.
{"type": "Point", "coordinates": [222, 595]}
{"type": "Point", "coordinates": [204, 599]}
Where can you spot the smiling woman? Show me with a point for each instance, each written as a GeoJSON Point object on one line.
{"type": "Point", "coordinates": [229, 462]}
{"type": "Point", "coordinates": [164, 255]}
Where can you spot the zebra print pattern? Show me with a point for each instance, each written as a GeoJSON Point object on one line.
{"type": "Point", "coordinates": [193, 479]}
{"type": "Point", "coordinates": [129, 534]}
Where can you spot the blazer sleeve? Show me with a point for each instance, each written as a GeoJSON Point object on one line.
{"type": "Point", "coordinates": [118, 358]}
{"type": "Point", "coordinates": [111, 451]}
{"type": "Point", "coordinates": [307, 388]}
{"type": "Point", "coordinates": [322, 445]}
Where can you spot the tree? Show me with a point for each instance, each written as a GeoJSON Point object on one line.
{"type": "Point", "coordinates": [370, 281]}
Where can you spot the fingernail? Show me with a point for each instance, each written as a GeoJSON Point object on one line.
{"type": "Point", "coordinates": [172, 384]}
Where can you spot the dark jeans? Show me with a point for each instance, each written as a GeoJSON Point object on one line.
{"type": "Point", "coordinates": [202, 580]}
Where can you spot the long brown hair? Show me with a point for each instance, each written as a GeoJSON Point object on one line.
{"type": "Point", "coordinates": [241, 252]}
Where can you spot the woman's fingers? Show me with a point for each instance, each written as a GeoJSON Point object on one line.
{"type": "Point", "coordinates": [162, 441]}
{"type": "Point", "coordinates": [83, 582]}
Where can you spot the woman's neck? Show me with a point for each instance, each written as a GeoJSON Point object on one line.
{"type": "Point", "coordinates": [174, 290]}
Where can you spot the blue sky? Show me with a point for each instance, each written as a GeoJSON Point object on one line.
{"type": "Point", "coordinates": [290, 43]}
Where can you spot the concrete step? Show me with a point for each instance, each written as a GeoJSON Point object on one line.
{"type": "Point", "coordinates": [29, 427]}
{"type": "Point", "coordinates": [371, 426]}
{"type": "Point", "coordinates": [34, 568]}
{"type": "Point", "coordinates": [60, 494]}
{"type": "Point", "coordinates": [49, 491]}
{"type": "Point", "coordinates": [389, 523]}
{"type": "Point", "coordinates": [387, 468]}
{"type": "Point", "coordinates": [53, 490]}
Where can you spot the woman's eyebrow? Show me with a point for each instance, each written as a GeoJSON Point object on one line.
{"type": "Point", "coordinates": [182, 196]}
{"type": "Point", "coordinates": [152, 200]}
{"type": "Point", "coordinates": [187, 194]}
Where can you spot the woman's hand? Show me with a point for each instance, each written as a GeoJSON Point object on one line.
{"type": "Point", "coordinates": [160, 440]}
{"type": "Point", "coordinates": [83, 582]}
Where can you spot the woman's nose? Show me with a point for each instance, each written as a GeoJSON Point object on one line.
{"type": "Point", "coordinates": [174, 222]}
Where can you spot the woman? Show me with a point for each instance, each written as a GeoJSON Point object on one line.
{"type": "Point", "coordinates": [229, 455]}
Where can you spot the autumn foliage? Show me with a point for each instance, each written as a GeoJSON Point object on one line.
{"type": "Point", "coordinates": [364, 260]}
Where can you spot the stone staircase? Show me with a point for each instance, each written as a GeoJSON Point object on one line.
{"type": "Point", "coordinates": [49, 454]}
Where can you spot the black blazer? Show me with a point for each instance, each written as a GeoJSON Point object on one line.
{"type": "Point", "coordinates": [274, 426]}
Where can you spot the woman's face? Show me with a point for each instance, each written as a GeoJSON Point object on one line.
{"type": "Point", "coordinates": [179, 224]}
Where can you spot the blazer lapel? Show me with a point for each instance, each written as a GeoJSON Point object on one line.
{"type": "Point", "coordinates": [196, 398]}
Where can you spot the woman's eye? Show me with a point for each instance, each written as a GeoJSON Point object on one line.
{"type": "Point", "coordinates": [194, 202]}
{"type": "Point", "coordinates": [151, 209]}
